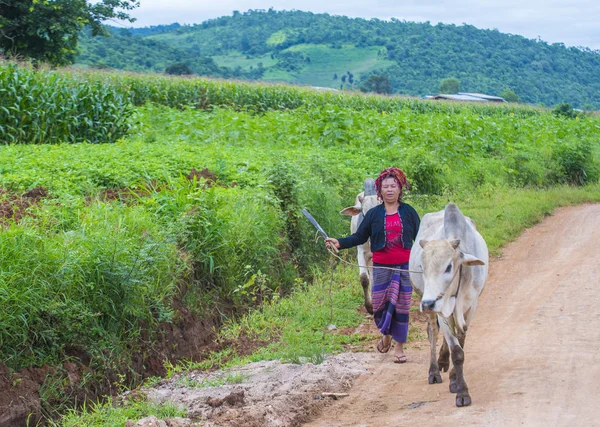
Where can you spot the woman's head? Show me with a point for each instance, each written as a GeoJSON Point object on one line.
{"type": "Point", "coordinates": [390, 185]}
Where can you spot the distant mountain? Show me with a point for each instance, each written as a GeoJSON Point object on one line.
{"type": "Point", "coordinates": [341, 52]}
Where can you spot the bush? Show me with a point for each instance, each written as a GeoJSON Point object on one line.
{"type": "Point", "coordinates": [525, 169]}
{"type": "Point", "coordinates": [564, 110]}
{"type": "Point", "coordinates": [86, 289]}
{"type": "Point", "coordinates": [425, 174]}
{"type": "Point", "coordinates": [179, 69]}
{"type": "Point", "coordinates": [576, 162]}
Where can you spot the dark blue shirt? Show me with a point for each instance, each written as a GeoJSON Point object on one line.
{"type": "Point", "coordinates": [373, 227]}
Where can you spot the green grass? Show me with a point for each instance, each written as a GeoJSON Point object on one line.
{"type": "Point", "coordinates": [326, 61]}
{"type": "Point", "coordinates": [105, 414]}
{"type": "Point", "coordinates": [236, 59]}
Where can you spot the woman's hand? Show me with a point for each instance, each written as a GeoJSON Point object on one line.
{"type": "Point", "coordinates": [333, 244]}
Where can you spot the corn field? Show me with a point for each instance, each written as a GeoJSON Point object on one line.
{"type": "Point", "coordinates": [66, 106]}
{"type": "Point", "coordinates": [40, 107]}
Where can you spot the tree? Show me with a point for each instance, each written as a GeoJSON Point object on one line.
{"type": "Point", "coordinates": [451, 85]}
{"type": "Point", "coordinates": [350, 78]}
{"type": "Point", "coordinates": [509, 95]}
{"type": "Point", "coordinates": [179, 69]}
{"type": "Point", "coordinates": [378, 83]}
{"type": "Point", "coordinates": [48, 30]}
{"type": "Point", "coordinates": [564, 110]}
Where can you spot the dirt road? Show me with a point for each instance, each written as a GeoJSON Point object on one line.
{"type": "Point", "coordinates": [532, 355]}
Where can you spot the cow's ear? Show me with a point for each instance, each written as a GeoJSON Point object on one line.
{"type": "Point", "coordinates": [470, 260]}
{"type": "Point", "coordinates": [423, 243]}
{"type": "Point", "coordinates": [455, 243]}
{"type": "Point", "coordinates": [351, 211]}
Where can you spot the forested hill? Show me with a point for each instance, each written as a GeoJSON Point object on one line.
{"type": "Point", "coordinates": [341, 52]}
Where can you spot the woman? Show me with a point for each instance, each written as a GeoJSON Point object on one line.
{"type": "Point", "coordinates": [392, 227]}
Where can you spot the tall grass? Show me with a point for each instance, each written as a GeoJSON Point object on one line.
{"type": "Point", "coordinates": [86, 289]}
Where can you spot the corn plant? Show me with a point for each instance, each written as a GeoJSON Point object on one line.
{"type": "Point", "coordinates": [39, 107]}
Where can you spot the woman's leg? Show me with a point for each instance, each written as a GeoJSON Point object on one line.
{"type": "Point", "coordinates": [402, 315]}
{"type": "Point", "coordinates": [399, 356]}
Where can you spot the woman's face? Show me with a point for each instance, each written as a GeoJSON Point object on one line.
{"type": "Point", "coordinates": [390, 191]}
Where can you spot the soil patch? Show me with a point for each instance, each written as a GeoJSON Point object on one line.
{"type": "Point", "coordinates": [267, 393]}
{"type": "Point", "coordinates": [14, 206]}
{"type": "Point", "coordinates": [207, 178]}
{"type": "Point", "coordinates": [131, 195]}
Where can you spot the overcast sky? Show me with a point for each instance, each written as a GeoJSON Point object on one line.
{"type": "Point", "coordinates": [574, 23]}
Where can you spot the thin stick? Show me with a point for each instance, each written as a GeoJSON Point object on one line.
{"type": "Point", "coordinates": [332, 262]}
{"type": "Point", "coordinates": [357, 265]}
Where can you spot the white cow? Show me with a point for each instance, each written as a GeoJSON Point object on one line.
{"type": "Point", "coordinates": [453, 258]}
{"type": "Point", "coordinates": [364, 201]}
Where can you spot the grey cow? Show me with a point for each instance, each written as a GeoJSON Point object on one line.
{"type": "Point", "coordinates": [453, 258]}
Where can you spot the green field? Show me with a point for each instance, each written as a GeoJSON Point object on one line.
{"type": "Point", "coordinates": [325, 62]}
{"type": "Point", "coordinates": [234, 60]}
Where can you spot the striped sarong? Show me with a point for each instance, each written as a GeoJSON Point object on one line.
{"type": "Point", "coordinates": [391, 300]}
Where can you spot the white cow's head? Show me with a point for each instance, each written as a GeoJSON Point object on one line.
{"type": "Point", "coordinates": [441, 262]}
{"type": "Point", "coordinates": [364, 201]}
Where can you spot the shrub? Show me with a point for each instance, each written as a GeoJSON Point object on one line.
{"type": "Point", "coordinates": [425, 174]}
{"type": "Point", "coordinates": [524, 169]}
{"type": "Point", "coordinates": [179, 69]}
{"type": "Point", "coordinates": [576, 162]}
{"type": "Point", "coordinates": [564, 110]}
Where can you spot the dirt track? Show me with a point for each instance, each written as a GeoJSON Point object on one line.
{"type": "Point", "coordinates": [532, 355]}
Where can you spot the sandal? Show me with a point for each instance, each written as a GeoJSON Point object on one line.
{"type": "Point", "coordinates": [382, 347]}
{"type": "Point", "coordinates": [400, 359]}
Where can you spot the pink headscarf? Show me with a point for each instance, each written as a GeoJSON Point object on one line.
{"type": "Point", "coordinates": [395, 173]}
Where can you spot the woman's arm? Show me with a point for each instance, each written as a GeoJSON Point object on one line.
{"type": "Point", "coordinates": [359, 237]}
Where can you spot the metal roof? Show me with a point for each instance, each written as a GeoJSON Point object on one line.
{"type": "Point", "coordinates": [464, 96]}
{"type": "Point", "coordinates": [484, 96]}
{"type": "Point", "coordinates": [459, 97]}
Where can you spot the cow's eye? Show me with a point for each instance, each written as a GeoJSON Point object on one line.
{"type": "Point", "coordinates": [448, 268]}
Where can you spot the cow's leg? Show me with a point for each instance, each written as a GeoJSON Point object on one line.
{"type": "Point", "coordinates": [365, 276]}
{"type": "Point", "coordinates": [458, 357]}
{"type": "Point", "coordinates": [453, 385]}
{"type": "Point", "coordinates": [432, 333]}
{"type": "Point", "coordinates": [444, 358]}
{"type": "Point", "coordinates": [461, 340]}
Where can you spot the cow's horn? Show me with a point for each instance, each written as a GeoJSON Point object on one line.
{"type": "Point", "coordinates": [370, 189]}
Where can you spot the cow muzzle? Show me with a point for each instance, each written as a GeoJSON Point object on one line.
{"type": "Point", "coordinates": [428, 305]}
